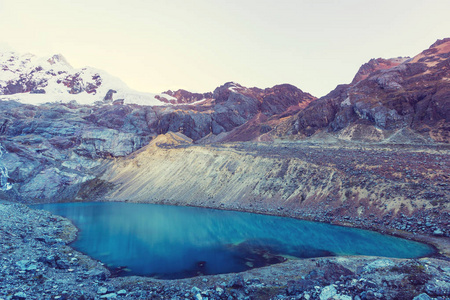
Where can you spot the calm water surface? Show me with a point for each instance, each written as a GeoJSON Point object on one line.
{"type": "Point", "coordinates": [176, 242]}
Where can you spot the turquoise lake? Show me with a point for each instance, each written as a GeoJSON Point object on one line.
{"type": "Point", "coordinates": [177, 242]}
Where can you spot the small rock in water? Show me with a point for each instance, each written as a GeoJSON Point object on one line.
{"type": "Point", "coordinates": [102, 290]}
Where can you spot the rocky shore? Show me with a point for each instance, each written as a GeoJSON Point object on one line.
{"type": "Point", "coordinates": [37, 262]}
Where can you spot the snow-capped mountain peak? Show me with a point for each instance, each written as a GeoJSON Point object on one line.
{"type": "Point", "coordinates": [35, 80]}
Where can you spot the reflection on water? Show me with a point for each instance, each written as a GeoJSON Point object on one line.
{"type": "Point", "coordinates": [176, 242]}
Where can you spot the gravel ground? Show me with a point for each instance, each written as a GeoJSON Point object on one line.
{"type": "Point", "coordinates": [37, 263]}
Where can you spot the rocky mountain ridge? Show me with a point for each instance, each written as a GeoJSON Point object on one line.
{"type": "Point", "coordinates": [385, 96]}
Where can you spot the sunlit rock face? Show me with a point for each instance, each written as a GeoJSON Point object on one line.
{"type": "Point", "coordinates": [389, 95]}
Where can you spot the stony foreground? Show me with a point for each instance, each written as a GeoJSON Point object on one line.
{"type": "Point", "coordinates": [37, 263]}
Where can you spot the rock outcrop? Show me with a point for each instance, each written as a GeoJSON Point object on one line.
{"type": "Point", "coordinates": [377, 64]}
{"type": "Point", "coordinates": [231, 106]}
{"type": "Point", "coordinates": [52, 148]}
{"type": "Point", "coordinates": [4, 184]}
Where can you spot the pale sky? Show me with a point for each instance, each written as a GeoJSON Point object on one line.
{"type": "Point", "coordinates": [156, 45]}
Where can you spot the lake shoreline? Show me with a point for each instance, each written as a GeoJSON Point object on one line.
{"type": "Point", "coordinates": [440, 244]}
{"type": "Point", "coordinates": [245, 240]}
{"type": "Point", "coordinates": [37, 236]}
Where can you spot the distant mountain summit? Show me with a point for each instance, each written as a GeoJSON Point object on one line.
{"type": "Point", "coordinates": [377, 64]}
{"type": "Point", "coordinates": [36, 80]}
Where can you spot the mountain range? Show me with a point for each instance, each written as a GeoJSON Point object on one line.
{"type": "Point", "coordinates": [59, 124]}
{"type": "Point", "coordinates": [386, 100]}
